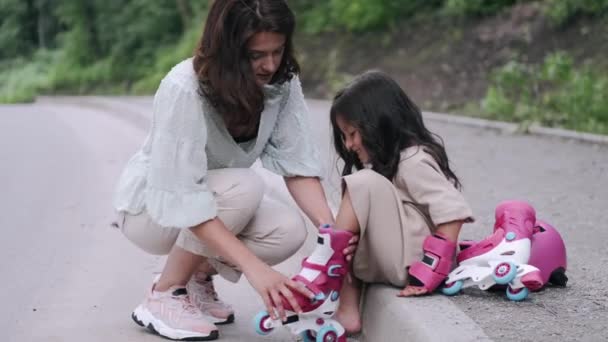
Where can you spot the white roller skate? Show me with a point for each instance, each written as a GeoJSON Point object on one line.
{"type": "Point", "coordinates": [501, 259]}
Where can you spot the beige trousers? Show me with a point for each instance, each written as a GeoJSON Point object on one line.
{"type": "Point", "coordinates": [272, 230]}
{"type": "Point", "coordinates": [392, 231]}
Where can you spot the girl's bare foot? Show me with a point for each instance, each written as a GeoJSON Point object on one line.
{"type": "Point", "coordinates": [350, 320]}
{"type": "Point", "coordinates": [410, 290]}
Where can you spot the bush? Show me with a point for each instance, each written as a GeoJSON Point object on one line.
{"type": "Point", "coordinates": [563, 10]}
{"type": "Point", "coordinates": [21, 80]}
{"type": "Point", "coordinates": [467, 8]}
{"type": "Point", "coordinates": [356, 15]}
{"type": "Point", "coordinates": [554, 94]}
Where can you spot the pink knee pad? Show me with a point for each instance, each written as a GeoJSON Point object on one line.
{"type": "Point", "coordinates": [436, 263]}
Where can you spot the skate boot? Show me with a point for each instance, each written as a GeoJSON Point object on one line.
{"type": "Point", "coordinates": [322, 273]}
{"type": "Point", "coordinates": [502, 258]}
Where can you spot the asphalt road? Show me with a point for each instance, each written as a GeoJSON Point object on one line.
{"type": "Point", "coordinates": [68, 276]}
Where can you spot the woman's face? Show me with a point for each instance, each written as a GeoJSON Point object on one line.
{"type": "Point", "coordinates": [266, 53]}
{"type": "Point", "coordinates": [352, 139]}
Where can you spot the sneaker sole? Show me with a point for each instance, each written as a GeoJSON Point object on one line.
{"type": "Point", "coordinates": [228, 320]}
{"type": "Point", "coordinates": [144, 318]}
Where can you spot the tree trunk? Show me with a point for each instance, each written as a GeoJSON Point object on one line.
{"type": "Point", "coordinates": [43, 23]}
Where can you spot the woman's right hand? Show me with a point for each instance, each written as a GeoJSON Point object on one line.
{"type": "Point", "coordinates": [272, 286]}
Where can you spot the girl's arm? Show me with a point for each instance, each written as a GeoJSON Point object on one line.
{"type": "Point", "coordinates": [310, 197]}
{"type": "Point", "coordinates": [450, 230]}
{"type": "Point", "coordinates": [270, 284]}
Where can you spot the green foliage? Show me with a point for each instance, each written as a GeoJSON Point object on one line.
{"type": "Point", "coordinates": [165, 59]}
{"type": "Point", "coordinates": [21, 80]}
{"type": "Point", "coordinates": [356, 15]}
{"type": "Point", "coordinates": [467, 8]}
{"type": "Point", "coordinates": [563, 10]}
{"type": "Point", "coordinates": [553, 94]}
{"type": "Point", "coordinates": [122, 46]}
{"type": "Point", "coordinates": [16, 36]}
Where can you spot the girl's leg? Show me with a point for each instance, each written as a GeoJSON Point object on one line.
{"type": "Point", "coordinates": [348, 311]}
{"type": "Point", "coordinates": [372, 207]}
{"type": "Point", "coordinates": [391, 229]}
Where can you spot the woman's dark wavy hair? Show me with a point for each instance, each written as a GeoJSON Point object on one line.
{"type": "Point", "coordinates": [221, 60]}
{"type": "Point", "coordinates": [388, 122]}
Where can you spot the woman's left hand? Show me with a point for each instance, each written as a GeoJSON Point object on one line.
{"type": "Point", "coordinates": [352, 246]}
{"type": "Point", "coordinates": [410, 291]}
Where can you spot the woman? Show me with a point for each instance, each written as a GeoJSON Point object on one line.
{"type": "Point", "coordinates": [189, 191]}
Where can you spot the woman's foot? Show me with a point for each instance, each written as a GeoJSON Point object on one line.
{"type": "Point", "coordinates": [170, 314]}
{"type": "Point", "coordinates": [203, 295]}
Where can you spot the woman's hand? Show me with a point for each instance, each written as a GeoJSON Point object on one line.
{"type": "Point", "coordinates": [352, 246]}
{"type": "Point", "coordinates": [410, 291]}
{"type": "Point", "coordinates": [272, 286]}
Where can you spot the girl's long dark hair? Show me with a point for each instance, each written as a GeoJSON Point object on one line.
{"type": "Point", "coordinates": [222, 62]}
{"type": "Point", "coordinates": [388, 122]}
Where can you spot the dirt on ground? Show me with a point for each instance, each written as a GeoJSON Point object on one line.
{"type": "Point", "coordinates": [445, 64]}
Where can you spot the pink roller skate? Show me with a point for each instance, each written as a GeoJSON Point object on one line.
{"type": "Point", "coordinates": [502, 258]}
{"type": "Point", "coordinates": [322, 273]}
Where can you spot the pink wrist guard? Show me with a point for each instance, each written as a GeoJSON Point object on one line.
{"type": "Point", "coordinates": [436, 262]}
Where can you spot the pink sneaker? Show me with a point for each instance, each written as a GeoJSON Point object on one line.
{"type": "Point", "coordinates": [203, 295]}
{"type": "Point", "coordinates": [170, 314]}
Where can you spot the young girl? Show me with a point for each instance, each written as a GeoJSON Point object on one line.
{"type": "Point", "coordinates": [399, 194]}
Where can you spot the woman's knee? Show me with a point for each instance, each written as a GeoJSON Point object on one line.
{"type": "Point", "coordinates": [148, 236]}
{"type": "Point", "coordinates": [283, 241]}
{"type": "Point", "coordinates": [238, 193]}
{"type": "Point", "coordinates": [242, 188]}
{"type": "Point", "coordinates": [294, 232]}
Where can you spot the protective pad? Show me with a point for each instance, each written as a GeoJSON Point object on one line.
{"type": "Point", "coordinates": [436, 263]}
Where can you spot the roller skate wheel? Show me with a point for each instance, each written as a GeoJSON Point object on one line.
{"type": "Point", "coordinates": [450, 289]}
{"type": "Point", "coordinates": [260, 322]}
{"type": "Point", "coordinates": [510, 236]}
{"type": "Point", "coordinates": [517, 295]}
{"type": "Point", "coordinates": [327, 334]}
{"type": "Point", "coordinates": [504, 273]}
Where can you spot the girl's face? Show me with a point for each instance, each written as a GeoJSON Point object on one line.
{"type": "Point", "coordinates": [352, 139]}
{"type": "Point", "coordinates": [265, 54]}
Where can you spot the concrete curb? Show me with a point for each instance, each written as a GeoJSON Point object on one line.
{"type": "Point", "coordinates": [511, 128]}
{"type": "Point", "coordinates": [388, 318]}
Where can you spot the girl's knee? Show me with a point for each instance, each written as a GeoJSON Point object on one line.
{"type": "Point", "coordinates": [367, 179]}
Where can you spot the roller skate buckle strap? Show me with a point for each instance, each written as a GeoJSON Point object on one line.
{"type": "Point", "coordinates": [332, 269]}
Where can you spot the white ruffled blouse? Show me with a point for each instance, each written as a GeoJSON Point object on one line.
{"type": "Point", "coordinates": [167, 176]}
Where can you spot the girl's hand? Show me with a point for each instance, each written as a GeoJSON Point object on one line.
{"type": "Point", "coordinates": [272, 286]}
{"type": "Point", "coordinates": [410, 291]}
{"type": "Point", "coordinates": [352, 246]}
